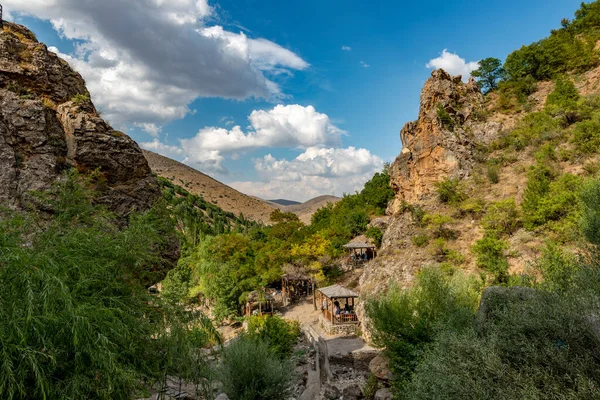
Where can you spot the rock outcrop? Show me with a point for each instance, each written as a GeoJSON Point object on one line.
{"type": "Point", "coordinates": [48, 124]}
{"type": "Point", "coordinates": [442, 141]}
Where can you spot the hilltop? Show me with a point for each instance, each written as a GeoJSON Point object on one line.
{"type": "Point", "coordinates": [227, 198]}
{"type": "Point", "coordinates": [210, 189]}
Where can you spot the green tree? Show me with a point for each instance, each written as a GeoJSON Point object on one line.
{"type": "Point", "coordinates": [490, 71]}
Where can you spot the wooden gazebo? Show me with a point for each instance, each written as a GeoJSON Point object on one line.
{"type": "Point", "coordinates": [360, 252]}
{"type": "Point", "coordinates": [331, 297]}
{"type": "Point", "coordinates": [259, 303]}
{"type": "Point", "coordinates": [296, 286]}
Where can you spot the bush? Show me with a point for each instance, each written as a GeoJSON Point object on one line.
{"type": "Point", "coordinates": [405, 321]}
{"type": "Point", "coordinates": [501, 218]}
{"type": "Point", "coordinates": [513, 94]}
{"type": "Point", "coordinates": [444, 118]}
{"type": "Point", "coordinates": [537, 347]}
{"type": "Point", "coordinates": [586, 136]}
{"type": "Point", "coordinates": [76, 321]}
{"type": "Point", "coordinates": [250, 370]}
{"type": "Point", "coordinates": [563, 101]}
{"type": "Point", "coordinates": [376, 234]}
{"type": "Point", "coordinates": [280, 335]}
{"type": "Point", "coordinates": [370, 388]}
{"type": "Point", "coordinates": [420, 240]}
{"type": "Point", "coordinates": [547, 198]}
{"type": "Point", "coordinates": [493, 170]}
{"type": "Point", "coordinates": [437, 224]}
{"type": "Point", "coordinates": [449, 191]}
{"type": "Point", "coordinates": [491, 257]}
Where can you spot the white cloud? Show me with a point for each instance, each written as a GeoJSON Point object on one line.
{"type": "Point", "coordinates": [283, 126]}
{"type": "Point", "coordinates": [151, 129]}
{"type": "Point", "coordinates": [364, 64]}
{"type": "Point", "coordinates": [315, 172]}
{"type": "Point", "coordinates": [453, 64]}
{"type": "Point", "coordinates": [145, 60]}
{"type": "Point", "coordinates": [290, 126]}
{"type": "Point", "coordinates": [346, 48]}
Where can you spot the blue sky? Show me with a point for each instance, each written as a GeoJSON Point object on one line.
{"type": "Point", "coordinates": [319, 89]}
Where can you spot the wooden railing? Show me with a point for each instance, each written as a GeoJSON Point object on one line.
{"type": "Point", "coordinates": [341, 318]}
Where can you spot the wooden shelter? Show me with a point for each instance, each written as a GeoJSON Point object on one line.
{"type": "Point", "coordinates": [360, 252]}
{"type": "Point", "coordinates": [296, 286]}
{"type": "Point", "coordinates": [259, 303]}
{"type": "Point", "coordinates": [334, 311]}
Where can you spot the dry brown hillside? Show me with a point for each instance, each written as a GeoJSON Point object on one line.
{"type": "Point", "coordinates": [210, 189]}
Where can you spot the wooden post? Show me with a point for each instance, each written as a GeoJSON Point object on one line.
{"type": "Point", "coordinates": [331, 310]}
{"type": "Point", "coordinates": [314, 296]}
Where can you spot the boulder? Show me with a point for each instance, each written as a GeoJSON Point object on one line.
{"type": "Point", "coordinates": [380, 367]}
{"type": "Point", "coordinates": [384, 394]}
{"type": "Point", "coordinates": [222, 396]}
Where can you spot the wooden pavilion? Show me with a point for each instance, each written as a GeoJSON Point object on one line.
{"type": "Point", "coordinates": [259, 303]}
{"type": "Point", "coordinates": [360, 252]}
{"type": "Point", "coordinates": [296, 286]}
{"type": "Point", "coordinates": [337, 304]}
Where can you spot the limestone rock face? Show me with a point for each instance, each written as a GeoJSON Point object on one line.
{"type": "Point", "coordinates": [442, 141]}
{"type": "Point", "coordinates": [48, 124]}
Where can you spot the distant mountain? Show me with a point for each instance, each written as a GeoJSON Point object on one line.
{"type": "Point", "coordinates": [305, 210]}
{"type": "Point", "coordinates": [210, 189]}
{"type": "Point", "coordinates": [284, 202]}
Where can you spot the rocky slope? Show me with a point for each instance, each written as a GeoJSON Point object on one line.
{"type": "Point", "coordinates": [48, 125]}
{"type": "Point", "coordinates": [442, 141]}
{"type": "Point", "coordinates": [451, 139]}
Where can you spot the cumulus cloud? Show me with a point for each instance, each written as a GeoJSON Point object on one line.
{"type": "Point", "coordinates": [346, 48]}
{"type": "Point", "coordinates": [145, 60]}
{"type": "Point", "coordinates": [315, 172]}
{"type": "Point", "coordinates": [453, 64]}
{"type": "Point", "coordinates": [289, 126]}
{"type": "Point", "coordinates": [151, 129]}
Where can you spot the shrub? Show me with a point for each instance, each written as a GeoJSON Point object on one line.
{"type": "Point", "coordinates": [370, 388]}
{"type": "Point", "coordinates": [405, 321]}
{"type": "Point", "coordinates": [444, 118]}
{"type": "Point", "coordinates": [280, 335]}
{"type": "Point", "coordinates": [493, 170]}
{"type": "Point", "coordinates": [501, 218]}
{"type": "Point", "coordinates": [547, 199]}
{"type": "Point", "coordinates": [420, 240]}
{"type": "Point", "coordinates": [558, 268]}
{"type": "Point", "coordinates": [437, 224]}
{"type": "Point", "coordinates": [250, 370]}
{"type": "Point", "coordinates": [79, 99]}
{"type": "Point", "coordinates": [563, 100]}
{"type": "Point", "coordinates": [586, 136]}
{"type": "Point", "coordinates": [449, 191]}
{"type": "Point", "coordinates": [536, 128]}
{"type": "Point", "coordinates": [376, 234]}
{"type": "Point", "coordinates": [76, 321]}
{"type": "Point", "coordinates": [491, 257]}
{"type": "Point", "coordinates": [474, 207]}
{"type": "Point", "coordinates": [513, 94]}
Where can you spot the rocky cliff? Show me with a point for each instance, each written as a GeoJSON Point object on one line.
{"type": "Point", "coordinates": [442, 142]}
{"type": "Point", "coordinates": [48, 124]}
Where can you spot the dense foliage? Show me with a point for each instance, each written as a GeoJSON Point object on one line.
{"type": "Point", "coordinates": [76, 321]}
{"type": "Point", "coordinates": [225, 268]}
{"type": "Point", "coordinates": [250, 370]}
{"type": "Point", "coordinates": [538, 345]}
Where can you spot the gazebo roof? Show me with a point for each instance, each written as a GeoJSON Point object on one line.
{"type": "Point", "coordinates": [297, 277]}
{"type": "Point", "coordinates": [359, 245]}
{"type": "Point", "coordinates": [253, 297]}
{"type": "Point", "coordinates": [337, 291]}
